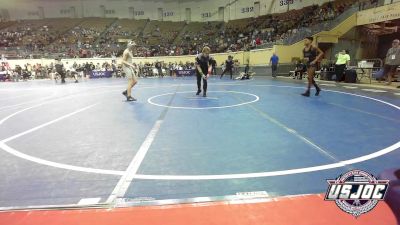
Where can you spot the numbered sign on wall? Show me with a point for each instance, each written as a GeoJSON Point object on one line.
{"type": "Point", "coordinates": [247, 9]}
{"type": "Point", "coordinates": [285, 2]}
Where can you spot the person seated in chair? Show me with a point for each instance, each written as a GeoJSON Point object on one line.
{"type": "Point", "coordinates": [300, 70]}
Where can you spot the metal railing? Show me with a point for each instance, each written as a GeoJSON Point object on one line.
{"type": "Point", "coordinates": [324, 26]}
{"type": "Point", "coordinates": [304, 32]}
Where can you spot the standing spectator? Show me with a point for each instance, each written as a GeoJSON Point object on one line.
{"type": "Point", "coordinates": [87, 69]}
{"type": "Point", "coordinates": [236, 66]}
{"type": "Point", "coordinates": [258, 41]}
{"type": "Point", "coordinates": [114, 68]}
{"type": "Point", "coordinates": [159, 69]}
{"type": "Point", "coordinates": [60, 70]}
{"type": "Point", "coordinates": [18, 70]}
{"type": "Point", "coordinates": [343, 61]}
{"type": "Point", "coordinates": [170, 68]}
{"type": "Point", "coordinates": [29, 69]}
{"type": "Point", "coordinates": [392, 61]}
{"type": "Point", "coordinates": [214, 66]}
{"type": "Point", "coordinates": [274, 61]}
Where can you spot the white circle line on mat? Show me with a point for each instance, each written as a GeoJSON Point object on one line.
{"type": "Point", "coordinates": [256, 98]}
{"type": "Point", "coordinates": [359, 159]}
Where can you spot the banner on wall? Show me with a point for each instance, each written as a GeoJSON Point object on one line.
{"type": "Point", "coordinates": [380, 14]}
{"type": "Point", "coordinates": [100, 74]}
{"type": "Point", "coordinates": [185, 73]}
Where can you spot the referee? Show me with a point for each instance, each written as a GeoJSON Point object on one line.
{"type": "Point", "coordinates": [203, 66]}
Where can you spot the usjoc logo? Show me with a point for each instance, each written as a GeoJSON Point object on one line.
{"type": "Point", "coordinates": [356, 192]}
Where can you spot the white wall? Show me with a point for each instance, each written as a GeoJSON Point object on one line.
{"type": "Point", "coordinates": [52, 9]}
{"type": "Point", "coordinates": [202, 10]}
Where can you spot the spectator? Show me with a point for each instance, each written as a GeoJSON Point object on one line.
{"type": "Point", "coordinates": [300, 70]}
{"type": "Point", "coordinates": [274, 61]}
{"type": "Point", "coordinates": [392, 61]}
{"type": "Point", "coordinates": [343, 61]}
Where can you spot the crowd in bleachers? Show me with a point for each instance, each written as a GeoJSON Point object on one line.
{"type": "Point", "coordinates": [84, 69]}
{"type": "Point", "coordinates": [235, 35]}
{"type": "Point", "coordinates": [31, 38]}
{"type": "Point", "coordinates": [105, 37]}
{"type": "Point", "coordinates": [35, 71]}
{"type": "Point", "coordinates": [34, 35]}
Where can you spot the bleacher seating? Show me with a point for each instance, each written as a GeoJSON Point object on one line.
{"type": "Point", "coordinates": [101, 35]}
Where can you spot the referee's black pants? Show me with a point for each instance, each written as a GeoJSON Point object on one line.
{"type": "Point", "coordinates": [199, 78]}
